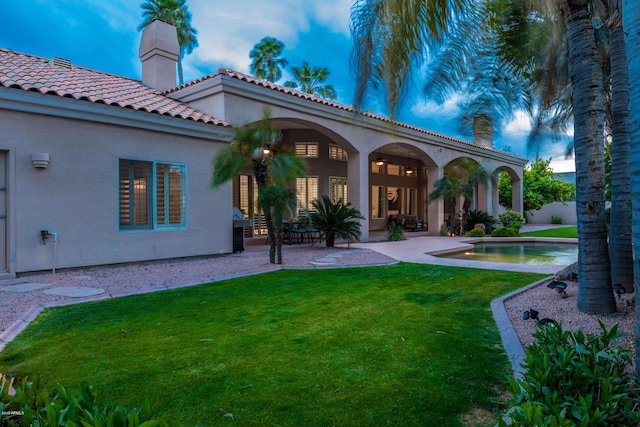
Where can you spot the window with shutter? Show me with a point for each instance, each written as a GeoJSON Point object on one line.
{"type": "Point", "coordinates": [152, 195]}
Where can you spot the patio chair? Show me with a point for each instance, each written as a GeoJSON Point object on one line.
{"type": "Point", "coordinates": [298, 232]}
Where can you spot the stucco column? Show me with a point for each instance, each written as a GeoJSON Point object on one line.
{"type": "Point", "coordinates": [358, 175]}
{"type": "Point", "coordinates": [495, 199]}
{"type": "Point", "coordinates": [483, 198]}
{"type": "Point", "coordinates": [436, 207]}
{"type": "Point", "coordinates": [517, 203]}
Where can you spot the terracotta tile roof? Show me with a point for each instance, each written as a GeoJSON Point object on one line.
{"type": "Point", "coordinates": [314, 98]}
{"type": "Point", "coordinates": [61, 78]}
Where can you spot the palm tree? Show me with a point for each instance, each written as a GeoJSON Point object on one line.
{"type": "Point", "coordinates": [176, 13]}
{"type": "Point", "coordinates": [309, 80]}
{"type": "Point", "coordinates": [391, 37]}
{"type": "Point", "coordinates": [266, 62]}
{"type": "Point", "coordinates": [461, 181]}
{"type": "Point", "coordinates": [335, 220]}
{"type": "Point", "coordinates": [620, 238]}
{"type": "Point", "coordinates": [595, 294]}
{"type": "Point", "coordinates": [631, 19]}
{"type": "Point", "coordinates": [471, 62]}
{"type": "Point", "coordinates": [274, 173]}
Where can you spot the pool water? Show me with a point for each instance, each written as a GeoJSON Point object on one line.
{"type": "Point", "coordinates": [519, 253]}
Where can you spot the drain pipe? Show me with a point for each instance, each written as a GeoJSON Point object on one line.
{"type": "Point", "coordinates": [55, 244]}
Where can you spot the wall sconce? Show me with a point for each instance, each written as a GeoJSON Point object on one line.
{"type": "Point", "coordinates": [380, 160]}
{"type": "Point", "coordinates": [40, 160]}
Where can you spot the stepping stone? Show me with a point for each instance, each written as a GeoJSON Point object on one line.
{"type": "Point", "coordinates": [7, 282]}
{"type": "Point", "coordinates": [24, 287]}
{"type": "Point", "coordinates": [74, 291]}
{"type": "Point", "coordinates": [327, 260]}
{"type": "Point", "coordinates": [335, 255]}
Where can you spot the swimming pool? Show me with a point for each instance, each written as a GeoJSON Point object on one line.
{"type": "Point", "coordinates": [519, 253]}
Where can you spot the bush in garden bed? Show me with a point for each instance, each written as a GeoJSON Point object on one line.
{"type": "Point", "coordinates": [574, 380]}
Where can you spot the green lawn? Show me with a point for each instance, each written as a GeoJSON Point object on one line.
{"type": "Point", "coordinates": [571, 232]}
{"type": "Point", "coordinates": [406, 345]}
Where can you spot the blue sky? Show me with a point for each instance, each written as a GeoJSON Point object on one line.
{"type": "Point", "coordinates": [102, 34]}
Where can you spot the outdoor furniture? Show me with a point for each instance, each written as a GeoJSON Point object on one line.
{"type": "Point", "coordinates": [298, 232]}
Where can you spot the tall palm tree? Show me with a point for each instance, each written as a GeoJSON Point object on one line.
{"type": "Point", "coordinates": [556, 109]}
{"type": "Point", "coordinates": [176, 13]}
{"type": "Point", "coordinates": [274, 173]}
{"type": "Point", "coordinates": [267, 63]}
{"type": "Point", "coordinates": [620, 238]}
{"type": "Point", "coordinates": [631, 20]}
{"type": "Point", "coordinates": [310, 80]}
{"type": "Point", "coordinates": [595, 294]}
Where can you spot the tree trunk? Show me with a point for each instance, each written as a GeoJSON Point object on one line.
{"type": "Point", "coordinates": [279, 245]}
{"type": "Point", "coordinates": [595, 294]}
{"type": "Point", "coordinates": [620, 248]}
{"type": "Point", "coordinates": [180, 77]}
{"type": "Point", "coordinates": [631, 21]}
{"type": "Point", "coordinates": [272, 238]}
{"type": "Point", "coordinates": [331, 240]}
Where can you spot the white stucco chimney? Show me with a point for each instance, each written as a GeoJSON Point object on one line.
{"type": "Point", "coordinates": [159, 53]}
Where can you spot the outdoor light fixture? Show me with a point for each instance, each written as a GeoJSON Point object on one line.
{"type": "Point", "coordinates": [40, 160]}
{"type": "Point", "coordinates": [409, 169]}
{"type": "Point", "coordinates": [266, 150]}
{"type": "Point", "coordinates": [560, 287]}
{"type": "Point", "coordinates": [380, 160]}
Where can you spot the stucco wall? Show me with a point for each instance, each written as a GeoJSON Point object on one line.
{"type": "Point", "coordinates": [543, 216]}
{"type": "Point", "coordinates": [77, 195]}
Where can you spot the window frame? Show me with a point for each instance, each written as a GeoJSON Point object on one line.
{"type": "Point", "coordinates": [314, 153]}
{"type": "Point", "coordinates": [336, 152]}
{"type": "Point", "coordinates": [152, 196]}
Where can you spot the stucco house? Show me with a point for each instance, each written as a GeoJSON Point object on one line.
{"type": "Point", "coordinates": [119, 170]}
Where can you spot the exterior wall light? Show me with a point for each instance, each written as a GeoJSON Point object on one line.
{"type": "Point", "coordinates": [40, 160]}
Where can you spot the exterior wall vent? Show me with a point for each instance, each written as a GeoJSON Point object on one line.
{"type": "Point", "coordinates": [61, 62]}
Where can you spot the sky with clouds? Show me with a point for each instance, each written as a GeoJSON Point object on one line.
{"type": "Point", "coordinates": [102, 34]}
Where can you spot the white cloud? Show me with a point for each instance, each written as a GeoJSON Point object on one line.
{"type": "Point", "coordinates": [227, 32]}
{"type": "Point", "coordinates": [519, 125]}
{"type": "Point", "coordinates": [450, 109]}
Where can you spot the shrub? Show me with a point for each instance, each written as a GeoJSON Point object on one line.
{"type": "Point", "coordinates": [505, 232]}
{"type": "Point", "coordinates": [474, 217]}
{"type": "Point", "coordinates": [34, 405]}
{"type": "Point", "coordinates": [574, 380]}
{"type": "Point", "coordinates": [395, 232]}
{"type": "Point", "coordinates": [555, 219]}
{"type": "Point", "coordinates": [335, 220]}
{"type": "Point", "coordinates": [476, 232]}
{"type": "Point", "coordinates": [510, 217]}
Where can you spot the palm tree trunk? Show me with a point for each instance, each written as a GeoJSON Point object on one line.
{"type": "Point", "coordinates": [631, 20]}
{"type": "Point", "coordinates": [279, 245]}
{"type": "Point", "coordinates": [272, 238]}
{"type": "Point", "coordinates": [180, 76]}
{"type": "Point", "coordinates": [620, 248]}
{"type": "Point", "coordinates": [595, 294]}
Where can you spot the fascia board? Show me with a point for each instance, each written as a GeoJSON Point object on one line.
{"type": "Point", "coordinates": [50, 105]}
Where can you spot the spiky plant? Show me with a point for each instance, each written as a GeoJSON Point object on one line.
{"type": "Point", "coordinates": [335, 220]}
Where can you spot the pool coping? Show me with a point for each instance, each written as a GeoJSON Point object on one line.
{"type": "Point", "coordinates": [468, 244]}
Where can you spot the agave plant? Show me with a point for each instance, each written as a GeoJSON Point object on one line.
{"type": "Point", "coordinates": [335, 220]}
